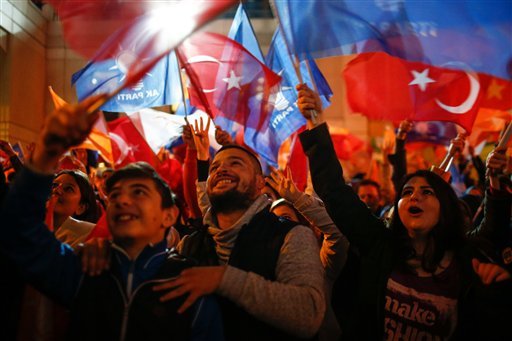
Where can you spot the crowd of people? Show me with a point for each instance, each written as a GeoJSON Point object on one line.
{"type": "Point", "coordinates": [231, 253]}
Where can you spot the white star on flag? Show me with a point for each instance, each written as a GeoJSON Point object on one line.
{"type": "Point", "coordinates": [233, 81]}
{"type": "Point", "coordinates": [421, 79]}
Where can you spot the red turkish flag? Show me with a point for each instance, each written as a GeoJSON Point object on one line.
{"type": "Point", "coordinates": [233, 82]}
{"type": "Point", "coordinates": [383, 87]}
{"type": "Point", "coordinates": [128, 145]}
{"type": "Point", "coordinates": [100, 230]}
{"type": "Point", "coordinates": [488, 125]}
{"type": "Point", "coordinates": [298, 162]}
{"type": "Point", "coordinates": [171, 171]}
{"type": "Point", "coordinates": [497, 93]}
{"type": "Point", "coordinates": [346, 144]}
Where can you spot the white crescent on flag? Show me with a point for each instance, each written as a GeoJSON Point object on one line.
{"type": "Point", "coordinates": [465, 106]}
{"type": "Point", "coordinates": [124, 149]}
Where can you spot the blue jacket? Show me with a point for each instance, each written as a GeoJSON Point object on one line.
{"type": "Point", "coordinates": [124, 291]}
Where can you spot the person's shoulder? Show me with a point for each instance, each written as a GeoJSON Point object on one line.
{"type": "Point", "coordinates": [79, 227]}
{"type": "Point", "coordinates": [72, 222]}
{"type": "Point", "coordinates": [300, 229]}
{"type": "Point", "coordinates": [74, 231]}
{"type": "Point", "coordinates": [300, 233]}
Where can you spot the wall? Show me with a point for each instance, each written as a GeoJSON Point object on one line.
{"type": "Point", "coordinates": [22, 70]}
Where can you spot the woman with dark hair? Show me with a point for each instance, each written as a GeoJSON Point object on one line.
{"type": "Point", "coordinates": [90, 211]}
{"type": "Point", "coordinates": [420, 278]}
{"type": "Point", "coordinates": [72, 211]}
{"type": "Point", "coordinates": [72, 207]}
{"type": "Point", "coordinates": [429, 231]}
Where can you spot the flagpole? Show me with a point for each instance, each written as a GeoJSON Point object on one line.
{"type": "Point", "coordinates": [192, 78]}
{"type": "Point", "coordinates": [505, 137]}
{"type": "Point", "coordinates": [295, 60]}
{"type": "Point", "coordinates": [311, 75]}
{"type": "Point", "coordinates": [444, 168]}
{"type": "Point", "coordinates": [183, 98]}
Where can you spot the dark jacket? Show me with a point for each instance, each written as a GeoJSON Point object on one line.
{"type": "Point", "coordinates": [104, 310]}
{"type": "Point", "coordinates": [11, 284]}
{"type": "Point", "coordinates": [118, 305]}
{"type": "Point", "coordinates": [494, 233]}
{"type": "Point", "coordinates": [256, 249]}
{"type": "Point", "coordinates": [378, 247]}
{"type": "Point", "coordinates": [399, 163]}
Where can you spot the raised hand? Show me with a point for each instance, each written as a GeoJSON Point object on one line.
{"type": "Point", "coordinates": [187, 135]}
{"type": "Point", "coordinates": [307, 101]}
{"type": "Point", "coordinates": [388, 144]}
{"type": "Point", "coordinates": [403, 129]}
{"type": "Point", "coordinates": [222, 137]}
{"type": "Point", "coordinates": [497, 159]}
{"type": "Point", "coordinates": [65, 127]}
{"type": "Point", "coordinates": [496, 163]}
{"type": "Point", "coordinates": [284, 184]}
{"type": "Point", "coordinates": [457, 144]}
{"type": "Point", "coordinates": [201, 138]}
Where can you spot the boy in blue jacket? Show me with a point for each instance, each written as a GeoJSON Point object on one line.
{"type": "Point", "coordinates": [120, 304]}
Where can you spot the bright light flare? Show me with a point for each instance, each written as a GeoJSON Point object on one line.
{"type": "Point", "coordinates": [170, 21]}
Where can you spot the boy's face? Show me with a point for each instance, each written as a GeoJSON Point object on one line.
{"type": "Point", "coordinates": [135, 213]}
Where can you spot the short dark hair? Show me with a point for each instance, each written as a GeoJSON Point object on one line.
{"type": "Point", "coordinates": [272, 189]}
{"type": "Point", "coordinates": [283, 202]}
{"type": "Point", "coordinates": [368, 182]}
{"type": "Point", "coordinates": [245, 150]}
{"type": "Point", "coordinates": [143, 170]}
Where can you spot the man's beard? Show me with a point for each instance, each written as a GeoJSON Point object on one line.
{"type": "Point", "coordinates": [230, 201]}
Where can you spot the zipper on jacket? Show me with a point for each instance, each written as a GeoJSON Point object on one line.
{"type": "Point", "coordinates": [124, 325]}
{"type": "Point", "coordinates": [129, 280]}
{"type": "Point", "coordinates": [127, 304]}
{"type": "Point", "coordinates": [130, 295]}
{"type": "Point", "coordinates": [126, 310]}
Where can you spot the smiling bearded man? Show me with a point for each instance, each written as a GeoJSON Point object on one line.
{"type": "Point", "coordinates": [266, 269]}
{"type": "Point", "coordinates": [236, 189]}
